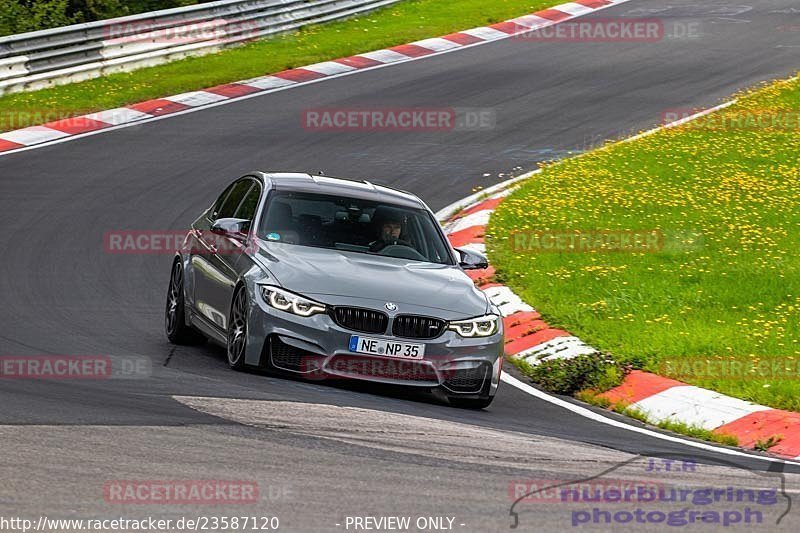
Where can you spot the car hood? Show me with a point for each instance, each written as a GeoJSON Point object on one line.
{"type": "Point", "coordinates": [323, 273]}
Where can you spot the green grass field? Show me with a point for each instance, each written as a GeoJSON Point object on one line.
{"type": "Point", "coordinates": [717, 303]}
{"type": "Point", "coordinates": [404, 22]}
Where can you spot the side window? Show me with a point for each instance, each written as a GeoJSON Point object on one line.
{"type": "Point", "coordinates": [214, 215]}
{"type": "Point", "coordinates": [247, 210]}
{"type": "Point", "coordinates": [235, 197]}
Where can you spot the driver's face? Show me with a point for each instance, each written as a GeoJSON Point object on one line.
{"type": "Point", "coordinates": [392, 229]}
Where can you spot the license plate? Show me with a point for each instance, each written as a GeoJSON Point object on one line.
{"type": "Point", "coordinates": [401, 350]}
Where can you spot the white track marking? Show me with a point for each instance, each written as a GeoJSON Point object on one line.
{"type": "Point", "coordinates": [268, 82]}
{"type": "Point", "coordinates": [386, 56]}
{"type": "Point", "coordinates": [329, 68]}
{"type": "Point", "coordinates": [508, 302]}
{"type": "Point", "coordinates": [437, 43]}
{"type": "Point", "coordinates": [559, 348]}
{"type": "Point", "coordinates": [486, 33]}
{"type": "Point", "coordinates": [475, 247]}
{"type": "Point", "coordinates": [695, 406]}
{"type": "Point", "coordinates": [479, 218]}
{"type": "Point", "coordinates": [120, 115]}
{"type": "Point", "coordinates": [574, 9]}
{"type": "Point", "coordinates": [33, 135]}
{"type": "Point", "coordinates": [196, 98]}
{"type": "Point", "coordinates": [532, 21]}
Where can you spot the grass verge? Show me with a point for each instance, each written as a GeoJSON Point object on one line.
{"type": "Point", "coordinates": [406, 21]}
{"type": "Point", "coordinates": [714, 299]}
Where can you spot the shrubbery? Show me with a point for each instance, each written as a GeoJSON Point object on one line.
{"type": "Point", "coordinates": [569, 376]}
{"type": "Point", "coordinates": [19, 16]}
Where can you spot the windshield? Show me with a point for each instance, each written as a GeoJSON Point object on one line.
{"type": "Point", "coordinates": [354, 225]}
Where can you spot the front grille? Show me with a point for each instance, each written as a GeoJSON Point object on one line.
{"type": "Point", "coordinates": [418, 327]}
{"type": "Point", "coordinates": [383, 368]}
{"type": "Point", "coordinates": [467, 380]}
{"type": "Point", "coordinates": [363, 320]}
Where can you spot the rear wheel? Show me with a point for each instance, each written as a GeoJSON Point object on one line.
{"type": "Point", "coordinates": [175, 314]}
{"type": "Point", "coordinates": [237, 330]}
{"type": "Point", "coordinates": [470, 403]}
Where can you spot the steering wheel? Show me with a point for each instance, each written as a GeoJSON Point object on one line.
{"type": "Point", "coordinates": [402, 251]}
{"type": "Point", "coordinates": [379, 245]}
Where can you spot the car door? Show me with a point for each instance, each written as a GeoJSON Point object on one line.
{"type": "Point", "coordinates": [214, 257]}
{"type": "Point", "coordinates": [247, 211]}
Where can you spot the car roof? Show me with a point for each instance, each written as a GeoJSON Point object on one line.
{"type": "Point", "coordinates": [362, 189]}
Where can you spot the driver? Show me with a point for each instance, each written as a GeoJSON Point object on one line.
{"type": "Point", "coordinates": [390, 227]}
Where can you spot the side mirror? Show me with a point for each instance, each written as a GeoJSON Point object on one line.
{"type": "Point", "coordinates": [235, 228]}
{"type": "Point", "coordinates": [471, 260]}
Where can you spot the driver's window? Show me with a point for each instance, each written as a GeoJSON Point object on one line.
{"type": "Point", "coordinates": [214, 215]}
{"type": "Point", "coordinates": [234, 199]}
{"type": "Point", "coordinates": [247, 209]}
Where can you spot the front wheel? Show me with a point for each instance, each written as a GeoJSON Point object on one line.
{"type": "Point", "coordinates": [237, 330]}
{"type": "Point", "coordinates": [470, 403]}
{"type": "Point", "coordinates": [175, 314]}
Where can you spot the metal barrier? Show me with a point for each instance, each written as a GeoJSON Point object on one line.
{"type": "Point", "coordinates": [40, 59]}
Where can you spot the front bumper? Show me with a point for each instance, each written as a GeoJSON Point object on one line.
{"type": "Point", "coordinates": [317, 348]}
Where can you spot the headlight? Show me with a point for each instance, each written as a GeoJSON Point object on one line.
{"type": "Point", "coordinates": [290, 302]}
{"type": "Point", "coordinates": [483, 326]}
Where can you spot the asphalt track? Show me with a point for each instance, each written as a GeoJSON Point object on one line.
{"type": "Point", "coordinates": [63, 294]}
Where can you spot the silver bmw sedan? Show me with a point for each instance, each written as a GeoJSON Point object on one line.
{"type": "Point", "coordinates": [330, 278]}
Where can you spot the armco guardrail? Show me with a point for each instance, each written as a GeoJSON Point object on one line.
{"type": "Point", "coordinates": [44, 58]}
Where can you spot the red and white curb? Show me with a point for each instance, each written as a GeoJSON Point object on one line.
{"type": "Point", "coordinates": [69, 128]}
{"type": "Point", "coordinates": [660, 399]}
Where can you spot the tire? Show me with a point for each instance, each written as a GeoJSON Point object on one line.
{"type": "Point", "coordinates": [470, 403]}
{"type": "Point", "coordinates": [175, 313]}
{"type": "Point", "coordinates": [237, 330]}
